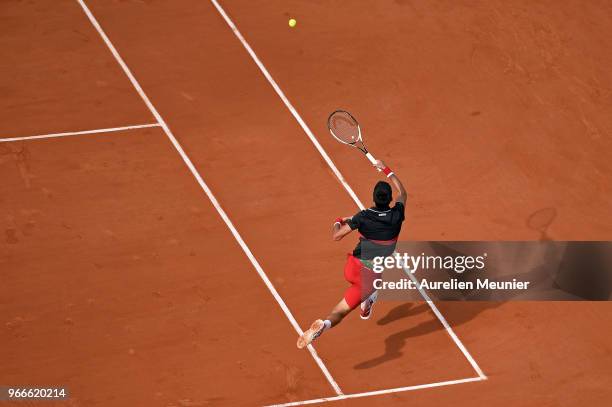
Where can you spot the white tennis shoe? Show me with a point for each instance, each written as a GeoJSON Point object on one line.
{"type": "Point", "coordinates": [312, 333]}
{"type": "Point", "coordinates": [367, 305]}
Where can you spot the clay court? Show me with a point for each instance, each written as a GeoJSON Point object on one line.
{"type": "Point", "coordinates": [168, 185]}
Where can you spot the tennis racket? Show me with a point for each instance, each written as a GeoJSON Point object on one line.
{"type": "Point", "coordinates": [345, 128]}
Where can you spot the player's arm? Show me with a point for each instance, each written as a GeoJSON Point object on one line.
{"type": "Point", "coordinates": [395, 181]}
{"type": "Point", "coordinates": [341, 228]}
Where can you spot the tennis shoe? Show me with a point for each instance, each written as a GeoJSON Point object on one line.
{"type": "Point", "coordinates": [312, 333]}
{"type": "Point", "coordinates": [368, 305]}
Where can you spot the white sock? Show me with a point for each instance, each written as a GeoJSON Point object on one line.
{"type": "Point", "coordinates": [326, 325]}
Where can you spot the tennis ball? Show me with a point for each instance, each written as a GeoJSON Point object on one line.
{"type": "Point", "coordinates": [292, 22]}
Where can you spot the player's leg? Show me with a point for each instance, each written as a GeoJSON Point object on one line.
{"type": "Point", "coordinates": [337, 314]}
{"type": "Point", "coordinates": [368, 305]}
{"type": "Point", "coordinates": [341, 310]}
{"type": "Point", "coordinates": [368, 293]}
{"type": "Point", "coordinates": [352, 298]}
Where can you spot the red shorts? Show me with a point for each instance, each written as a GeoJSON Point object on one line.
{"type": "Point", "coordinates": [361, 279]}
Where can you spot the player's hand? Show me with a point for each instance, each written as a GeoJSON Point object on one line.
{"type": "Point", "coordinates": [380, 165]}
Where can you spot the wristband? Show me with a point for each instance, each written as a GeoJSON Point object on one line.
{"type": "Point", "coordinates": [339, 220]}
{"type": "Point", "coordinates": [388, 172]}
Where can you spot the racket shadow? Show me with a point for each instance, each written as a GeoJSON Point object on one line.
{"type": "Point", "coordinates": [540, 222]}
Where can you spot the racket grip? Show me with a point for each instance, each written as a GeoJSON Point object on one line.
{"type": "Point", "coordinates": [372, 159]}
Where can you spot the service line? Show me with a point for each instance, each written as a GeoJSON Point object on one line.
{"type": "Point", "coordinates": [79, 133]}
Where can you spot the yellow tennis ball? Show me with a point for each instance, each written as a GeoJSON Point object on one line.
{"type": "Point", "coordinates": [292, 22]}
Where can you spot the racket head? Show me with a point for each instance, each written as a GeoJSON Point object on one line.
{"type": "Point", "coordinates": [344, 127]}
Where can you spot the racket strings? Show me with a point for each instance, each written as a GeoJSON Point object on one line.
{"type": "Point", "coordinates": [344, 127]}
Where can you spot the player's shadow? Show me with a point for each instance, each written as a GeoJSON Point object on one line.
{"type": "Point", "coordinates": [402, 311]}
{"type": "Point", "coordinates": [456, 313]}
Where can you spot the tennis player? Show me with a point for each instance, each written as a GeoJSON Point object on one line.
{"type": "Point", "coordinates": [379, 227]}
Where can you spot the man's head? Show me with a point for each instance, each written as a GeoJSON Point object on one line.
{"type": "Point", "coordinates": [382, 195]}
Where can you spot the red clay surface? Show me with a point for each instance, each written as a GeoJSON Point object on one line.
{"type": "Point", "coordinates": [121, 282]}
{"type": "Point", "coordinates": [55, 77]}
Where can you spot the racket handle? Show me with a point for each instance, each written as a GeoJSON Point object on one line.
{"type": "Point", "coordinates": [372, 159]}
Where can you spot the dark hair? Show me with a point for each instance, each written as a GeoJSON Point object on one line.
{"type": "Point", "coordinates": [382, 194]}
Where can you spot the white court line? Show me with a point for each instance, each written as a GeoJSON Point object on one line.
{"type": "Point", "coordinates": [448, 328]}
{"type": "Point", "coordinates": [333, 167]}
{"type": "Point", "coordinates": [209, 193]}
{"type": "Point", "coordinates": [79, 133]}
{"type": "Point", "coordinates": [378, 392]}
{"type": "Point", "coordinates": [280, 93]}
